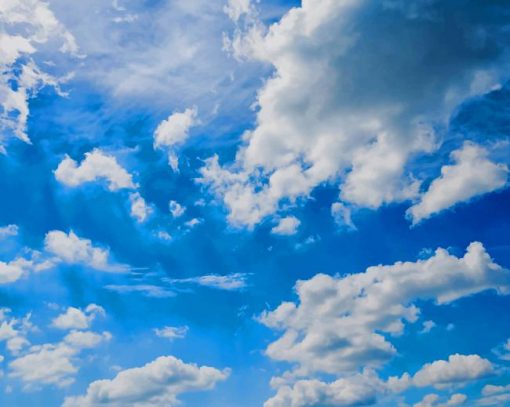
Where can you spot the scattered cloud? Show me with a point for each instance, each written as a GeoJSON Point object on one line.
{"type": "Point", "coordinates": [286, 226]}
{"type": "Point", "coordinates": [75, 318]}
{"type": "Point", "coordinates": [229, 282]}
{"type": "Point", "coordinates": [158, 383]}
{"type": "Point", "coordinates": [472, 174]}
{"type": "Point", "coordinates": [171, 333]}
{"type": "Point", "coordinates": [96, 165]}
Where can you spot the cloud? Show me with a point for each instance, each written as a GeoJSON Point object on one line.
{"type": "Point", "coordinates": [341, 324]}
{"type": "Point", "coordinates": [26, 26]}
{"type": "Point", "coordinates": [431, 400]}
{"type": "Point", "coordinates": [139, 208]}
{"type": "Point", "coordinates": [71, 249]}
{"type": "Point", "coordinates": [176, 209]}
{"type": "Point", "coordinates": [427, 327]}
{"type": "Point", "coordinates": [96, 165]}
{"type": "Point", "coordinates": [8, 231]}
{"type": "Point", "coordinates": [148, 290]}
{"type": "Point", "coordinates": [472, 174]}
{"type": "Point", "coordinates": [158, 383]}
{"type": "Point", "coordinates": [11, 271]}
{"type": "Point", "coordinates": [174, 131]}
{"type": "Point", "coordinates": [75, 318]}
{"type": "Point", "coordinates": [230, 282]}
{"type": "Point", "coordinates": [342, 216]}
{"type": "Point", "coordinates": [286, 226]}
{"type": "Point", "coordinates": [171, 333]}
{"type": "Point", "coordinates": [458, 369]}
{"type": "Point", "coordinates": [54, 363]}
{"type": "Point", "coordinates": [14, 331]}
{"type": "Point", "coordinates": [357, 390]}
{"type": "Point", "coordinates": [346, 106]}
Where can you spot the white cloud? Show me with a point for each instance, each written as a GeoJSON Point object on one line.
{"type": "Point", "coordinates": [144, 289]}
{"type": "Point", "coordinates": [9, 230]}
{"type": "Point", "coordinates": [157, 383]}
{"type": "Point", "coordinates": [286, 226]}
{"type": "Point", "coordinates": [54, 364]}
{"type": "Point", "coordinates": [71, 249]}
{"type": "Point", "coordinates": [229, 282]}
{"type": "Point", "coordinates": [494, 395]}
{"type": "Point", "coordinates": [96, 165]}
{"type": "Point", "coordinates": [176, 209]}
{"type": "Point", "coordinates": [341, 324]}
{"type": "Point", "coordinates": [327, 115]}
{"type": "Point", "coordinates": [173, 132]}
{"type": "Point", "coordinates": [75, 318]}
{"type": "Point", "coordinates": [342, 216]}
{"type": "Point", "coordinates": [458, 369]}
{"type": "Point", "coordinates": [171, 333]}
{"type": "Point", "coordinates": [26, 26]}
{"type": "Point", "coordinates": [11, 271]}
{"type": "Point", "coordinates": [433, 400]}
{"type": "Point", "coordinates": [428, 326]}
{"type": "Point", "coordinates": [472, 174]}
{"type": "Point", "coordinates": [14, 331]}
{"type": "Point", "coordinates": [139, 208]}
{"type": "Point", "coordinates": [190, 224]}
{"type": "Point", "coordinates": [236, 8]}
{"type": "Point", "coordinates": [361, 389]}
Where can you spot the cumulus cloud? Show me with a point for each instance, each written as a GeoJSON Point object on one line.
{"type": "Point", "coordinates": [14, 331]}
{"type": "Point", "coordinates": [54, 363]}
{"type": "Point", "coordinates": [357, 390]}
{"type": "Point", "coordinates": [26, 25]}
{"type": "Point", "coordinates": [176, 209]}
{"type": "Point", "coordinates": [433, 400]}
{"type": "Point", "coordinates": [472, 174]}
{"type": "Point", "coordinates": [75, 318]}
{"type": "Point", "coordinates": [96, 165]}
{"type": "Point", "coordinates": [342, 216]}
{"type": "Point", "coordinates": [71, 249]}
{"type": "Point", "coordinates": [158, 383]}
{"type": "Point", "coordinates": [458, 369]}
{"type": "Point", "coordinates": [174, 131]}
{"type": "Point", "coordinates": [229, 282]}
{"type": "Point", "coordinates": [345, 105]}
{"type": "Point", "coordinates": [286, 226]}
{"type": "Point", "coordinates": [8, 231]}
{"type": "Point", "coordinates": [341, 324]}
{"type": "Point", "coordinates": [171, 332]}
{"type": "Point", "coordinates": [139, 208]}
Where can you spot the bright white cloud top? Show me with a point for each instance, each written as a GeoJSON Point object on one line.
{"type": "Point", "coordinates": [96, 165]}
{"type": "Point", "coordinates": [472, 174]}
{"type": "Point", "coordinates": [157, 383]}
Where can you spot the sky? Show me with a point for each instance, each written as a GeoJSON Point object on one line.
{"type": "Point", "coordinates": [272, 203]}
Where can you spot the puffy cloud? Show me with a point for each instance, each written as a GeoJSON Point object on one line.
{"type": "Point", "coordinates": [236, 8]}
{"type": "Point", "coordinates": [26, 25]}
{"type": "Point", "coordinates": [494, 395]}
{"type": "Point", "coordinates": [96, 165]}
{"type": "Point", "coordinates": [472, 174]}
{"type": "Point", "coordinates": [357, 390]}
{"type": "Point", "coordinates": [158, 383]}
{"type": "Point", "coordinates": [346, 105]}
{"type": "Point", "coordinates": [75, 318]}
{"type": "Point", "coordinates": [433, 400]}
{"type": "Point", "coordinates": [11, 271]}
{"type": "Point", "coordinates": [173, 132]}
{"type": "Point", "coordinates": [171, 333]}
{"type": "Point", "coordinates": [139, 208]}
{"type": "Point", "coordinates": [342, 216]}
{"type": "Point", "coordinates": [176, 209]}
{"type": "Point", "coordinates": [341, 324]}
{"type": "Point", "coordinates": [230, 282]}
{"type": "Point", "coordinates": [54, 364]}
{"type": "Point", "coordinates": [286, 226]}
{"type": "Point", "coordinates": [14, 331]}
{"type": "Point", "coordinates": [458, 369]}
{"type": "Point", "coordinates": [71, 249]}
{"type": "Point", "coordinates": [9, 230]}
{"type": "Point", "coordinates": [428, 326]}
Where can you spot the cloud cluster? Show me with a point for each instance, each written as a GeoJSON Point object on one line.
{"type": "Point", "coordinates": [346, 105]}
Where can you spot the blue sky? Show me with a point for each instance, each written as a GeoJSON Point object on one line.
{"type": "Point", "coordinates": [254, 203]}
